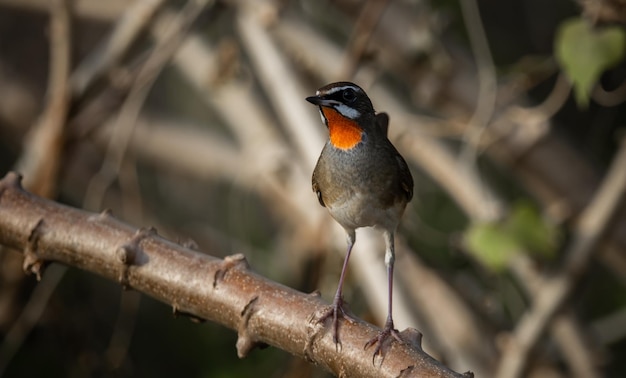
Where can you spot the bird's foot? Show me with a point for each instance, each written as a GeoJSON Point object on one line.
{"type": "Point", "coordinates": [386, 333]}
{"type": "Point", "coordinates": [335, 311]}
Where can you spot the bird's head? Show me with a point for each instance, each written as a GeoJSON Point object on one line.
{"type": "Point", "coordinates": [348, 99]}
{"type": "Point", "coordinates": [347, 112]}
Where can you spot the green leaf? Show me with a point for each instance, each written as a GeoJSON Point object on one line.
{"type": "Point", "coordinates": [585, 52]}
{"type": "Point", "coordinates": [523, 231]}
{"type": "Point", "coordinates": [531, 231]}
{"type": "Point", "coordinates": [490, 245]}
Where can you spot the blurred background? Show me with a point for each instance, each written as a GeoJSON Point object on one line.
{"type": "Point", "coordinates": [190, 116]}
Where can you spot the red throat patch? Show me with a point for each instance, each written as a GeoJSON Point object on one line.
{"type": "Point", "coordinates": [344, 132]}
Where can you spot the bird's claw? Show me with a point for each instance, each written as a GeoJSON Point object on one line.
{"type": "Point", "coordinates": [380, 339]}
{"type": "Point", "coordinates": [335, 311]}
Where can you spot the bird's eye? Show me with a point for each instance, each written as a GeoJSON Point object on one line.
{"type": "Point", "coordinates": [349, 95]}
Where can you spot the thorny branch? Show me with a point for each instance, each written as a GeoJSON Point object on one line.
{"type": "Point", "coordinates": [223, 291]}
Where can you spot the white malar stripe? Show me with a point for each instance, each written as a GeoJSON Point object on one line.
{"type": "Point", "coordinates": [323, 118]}
{"type": "Point", "coordinates": [347, 111]}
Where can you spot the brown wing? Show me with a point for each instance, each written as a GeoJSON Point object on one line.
{"type": "Point", "coordinates": [382, 119]}
{"type": "Point", "coordinates": [317, 190]}
{"type": "Point", "coordinates": [406, 180]}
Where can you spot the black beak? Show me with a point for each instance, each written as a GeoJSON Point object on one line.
{"type": "Point", "coordinates": [314, 100]}
{"type": "Point", "coordinates": [317, 100]}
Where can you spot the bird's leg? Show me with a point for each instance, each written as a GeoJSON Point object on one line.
{"type": "Point", "coordinates": [336, 310]}
{"type": "Point", "coordinates": [389, 329]}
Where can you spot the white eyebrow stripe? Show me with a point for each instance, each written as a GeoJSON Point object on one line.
{"type": "Point", "coordinates": [337, 89]}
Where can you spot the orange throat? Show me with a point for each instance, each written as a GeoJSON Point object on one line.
{"type": "Point", "coordinates": [344, 132]}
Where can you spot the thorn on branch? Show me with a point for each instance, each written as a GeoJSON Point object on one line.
{"type": "Point", "coordinates": [407, 372]}
{"type": "Point", "coordinates": [189, 243]}
{"type": "Point", "coordinates": [129, 254]}
{"type": "Point", "coordinates": [248, 309]}
{"type": "Point", "coordinates": [177, 312]}
{"type": "Point", "coordinates": [412, 337]}
{"type": "Point", "coordinates": [234, 261]}
{"type": "Point", "coordinates": [104, 214]}
{"type": "Point", "coordinates": [245, 342]}
{"type": "Point", "coordinates": [409, 336]}
{"type": "Point", "coordinates": [14, 179]}
{"type": "Point", "coordinates": [10, 180]}
{"type": "Point", "coordinates": [32, 262]}
{"type": "Point", "coordinates": [315, 331]}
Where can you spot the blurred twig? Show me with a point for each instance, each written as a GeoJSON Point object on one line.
{"type": "Point", "coordinates": [362, 31]}
{"type": "Point", "coordinates": [588, 232]}
{"type": "Point", "coordinates": [43, 148]}
{"type": "Point", "coordinates": [126, 30]}
{"type": "Point", "coordinates": [121, 337]}
{"type": "Point", "coordinates": [609, 98]}
{"type": "Point", "coordinates": [260, 159]}
{"type": "Point", "coordinates": [30, 315]}
{"type": "Point", "coordinates": [565, 329]}
{"type": "Point", "coordinates": [487, 86]}
{"type": "Point", "coordinates": [281, 84]}
{"type": "Point", "coordinates": [554, 102]}
{"type": "Point", "coordinates": [142, 85]}
{"type": "Point", "coordinates": [536, 120]}
{"type": "Point", "coordinates": [99, 10]}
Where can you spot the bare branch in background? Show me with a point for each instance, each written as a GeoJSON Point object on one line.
{"type": "Point", "coordinates": [126, 31]}
{"type": "Point", "coordinates": [361, 33]}
{"type": "Point", "coordinates": [41, 158]}
{"type": "Point", "coordinates": [590, 229]}
{"type": "Point", "coordinates": [281, 85]}
{"type": "Point", "coordinates": [131, 108]}
{"type": "Point", "coordinates": [487, 87]}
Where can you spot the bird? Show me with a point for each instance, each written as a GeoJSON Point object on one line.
{"type": "Point", "coordinates": [363, 181]}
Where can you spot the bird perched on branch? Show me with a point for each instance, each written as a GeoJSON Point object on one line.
{"type": "Point", "coordinates": [362, 180]}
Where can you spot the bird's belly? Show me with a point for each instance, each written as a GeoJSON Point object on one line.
{"type": "Point", "coordinates": [358, 210]}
